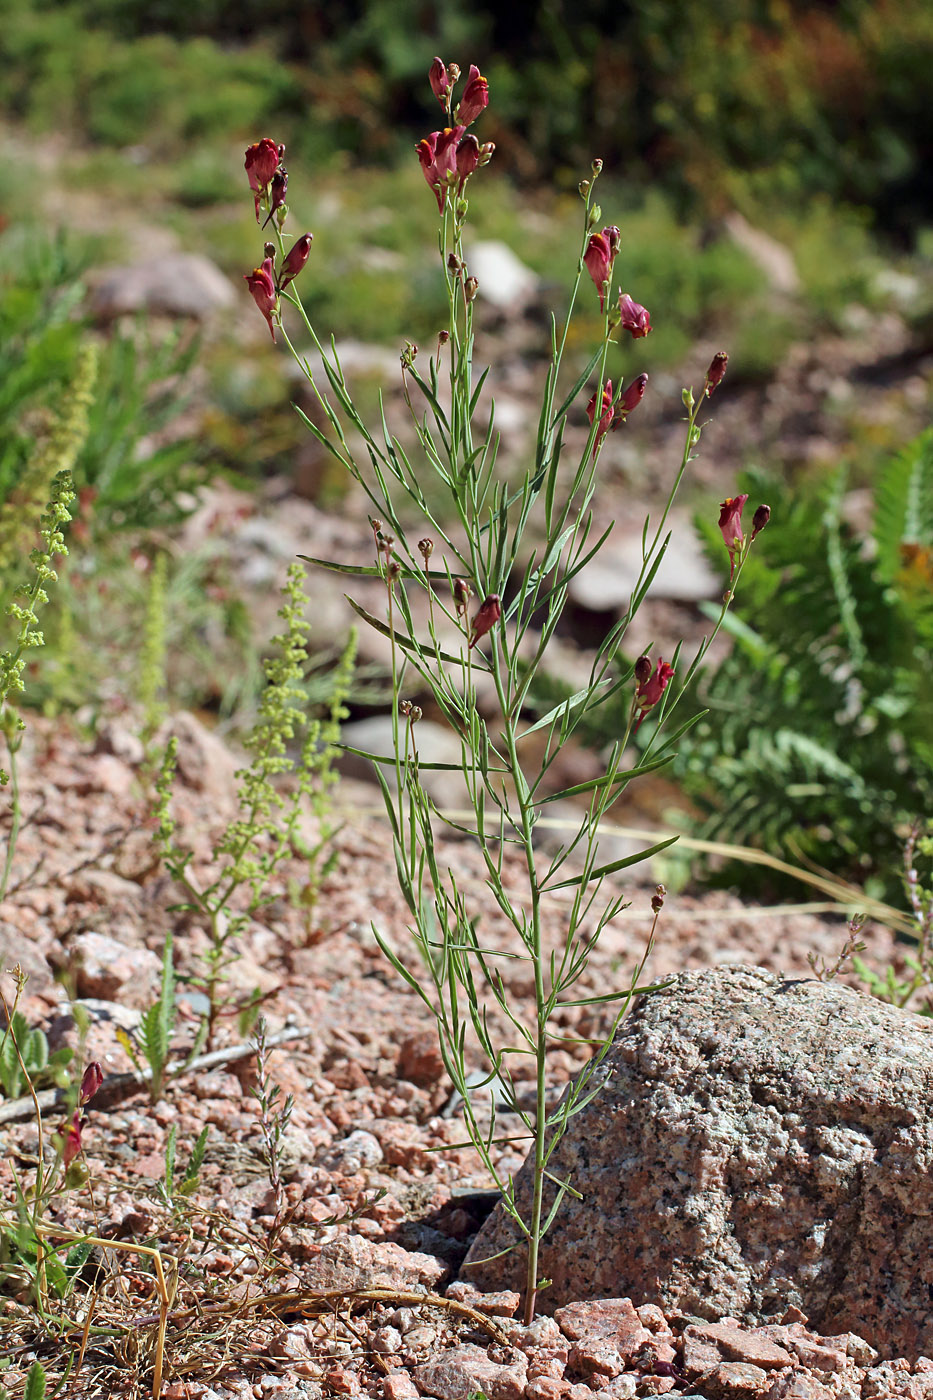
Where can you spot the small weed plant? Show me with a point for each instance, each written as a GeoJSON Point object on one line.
{"type": "Point", "coordinates": [473, 594]}
{"type": "Point", "coordinates": [266, 828]}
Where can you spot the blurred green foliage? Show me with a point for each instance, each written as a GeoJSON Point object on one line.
{"type": "Point", "coordinates": [819, 739]}
{"type": "Point", "coordinates": [765, 103]}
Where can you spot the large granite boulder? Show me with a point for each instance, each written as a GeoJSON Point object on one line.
{"type": "Point", "coordinates": [759, 1142]}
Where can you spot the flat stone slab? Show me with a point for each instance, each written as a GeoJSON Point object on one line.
{"type": "Point", "coordinates": [759, 1143]}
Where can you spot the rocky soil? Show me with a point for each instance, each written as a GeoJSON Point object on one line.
{"type": "Point", "coordinates": [87, 916]}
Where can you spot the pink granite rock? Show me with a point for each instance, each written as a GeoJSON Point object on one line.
{"type": "Point", "coordinates": [758, 1143]}
{"type": "Point", "coordinates": [459, 1373]}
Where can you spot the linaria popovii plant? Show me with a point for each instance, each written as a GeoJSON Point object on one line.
{"type": "Point", "coordinates": [513, 548]}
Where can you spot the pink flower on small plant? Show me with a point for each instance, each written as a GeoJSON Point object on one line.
{"type": "Point", "coordinates": [489, 613]}
{"type": "Point", "coordinates": [468, 158]}
{"type": "Point", "coordinates": [635, 318]}
{"type": "Point", "coordinates": [72, 1145]}
{"type": "Point", "coordinates": [475, 97]}
{"type": "Point", "coordinates": [262, 161]}
{"type": "Point", "coordinates": [730, 523]}
{"type": "Point", "coordinates": [438, 156]}
{"type": "Point", "coordinates": [599, 256]}
{"type": "Point", "coordinates": [650, 685]}
{"type": "Point", "coordinates": [262, 289]}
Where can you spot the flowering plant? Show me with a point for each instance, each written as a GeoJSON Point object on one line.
{"type": "Point", "coordinates": [514, 547]}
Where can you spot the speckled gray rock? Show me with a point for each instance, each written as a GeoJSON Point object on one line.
{"type": "Point", "coordinates": [758, 1143]}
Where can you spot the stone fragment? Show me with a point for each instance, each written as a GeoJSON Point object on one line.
{"type": "Point", "coordinates": [420, 1060]}
{"type": "Point", "coordinates": [700, 1356]}
{"type": "Point", "coordinates": [353, 1153]}
{"type": "Point", "coordinates": [545, 1388]}
{"type": "Point", "coordinates": [492, 1304]}
{"type": "Point", "coordinates": [759, 1143]}
{"type": "Point", "coordinates": [110, 971]}
{"type": "Point", "coordinates": [459, 1373]}
{"type": "Point", "coordinates": [741, 1344]}
{"type": "Point", "coordinates": [736, 1380]}
{"type": "Point", "coordinates": [399, 1386]}
{"type": "Point", "coordinates": [350, 1261]}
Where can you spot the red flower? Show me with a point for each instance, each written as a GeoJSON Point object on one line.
{"type": "Point", "coordinates": [651, 685]}
{"type": "Point", "coordinates": [440, 82]}
{"type": "Point", "coordinates": [262, 161]}
{"type": "Point", "coordinates": [599, 257]}
{"type": "Point", "coordinates": [489, 613]}
{"type": "Point", "coordinates": [262, 290]}
{"type": "Point", "coordinates": [716, 372]}
{"type": "Point", "coordinates": [296, 258]}
{"type": "Point", "coordinates": [438, 156]}
{"type": "Point", "coordinates": [635, 318]}
{"type": "Point", "coordinates": [605, 417]}
{"type": "Point", "coordinates": [468, 158]}
{"type": "Point", "coordinates": [91, 1081]}
{"type": "Point", "coordinates": [630, 398]}
{"type": "Point", "coordinates": [72, 1139]}
{"type": "Point", "coordinates": [730, 523]}
{"type": "Point", "coordinates": [475, 97]}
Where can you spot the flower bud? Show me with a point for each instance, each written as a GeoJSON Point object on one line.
{"type": "Point", "coordinates": [278, 189]}
{"type": "Point", "coordinates": [91, 1081]}
{"type": "Point", "coordinates": [594, 216]}
{"type": "Point", "coordinates": [760, 519]}
{"type": "Point", "coordinates": [440, 82]}
{"type": "Point", "coordinates": [72, 1144]}
{"type": "Point", "coordinates": [486, 152]}
{"type": "Point", "coordinates": [453, 72]}
{"type": "Point", "coordinates": [470, 288]}
{"type": "Point", "coordinates": [716, 372]}
{"type": "Point", "coordinates": [453, 263]}
{"type": "Point", "coordinates": [442, 338]}
{"type": "Point", "coordinates": [462, 595]}
{"type": "Point", "coordinates": [296, 258]}
{"type": "Point", "coordinates": [642, 669]}
{"type": "Point", "coordinates": [596, 166]}
{"type": "Point", "coordinates": [404, 707]}
{"type": "Point", "coordinates": [657, 899]}
{"type": "Point", "coordinates": [467, 158]}
{"type": "Point", "coordinates": [268, 250]}
{"type": "Point", "coordinates": [630, 398]}
{"type": "Point", "coordinates": [489, 613]}
{"type": "Point", "coordinates": [584, 188]}
{"type": "Point", "coordinates": [415, 713]}
{"type": "Point", "coordinates": [426, 547]}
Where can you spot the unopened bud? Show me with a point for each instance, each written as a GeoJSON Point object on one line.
{"type": "Point", "coordinates": [486, 152]}
{"type": "Point", "coordinates": [376, 526]}
{"type": "Point", "coordinates": [268, 250]}
{"type": "Point", "coordinates": [642, 669]}
{"type": "Point", "coordinates": [404, 707]}
{"type": "Point", "coordinates": [584, 188]}
{"type": "Point", "coordinates": [453, 263]}
{"type": "Point", "coordinates": [91, 1081]}
{"type": "Point", "coordinates": [716, 372]}
{"type": "Point", "coordinates": [393, 570]}
{"type": "Point", "coordinates": [443, 337]}
{"type": "Point", "coordinates": [408, 353]}
{"type": "Point", "coordinates": [462, 595]}
{"type": "Point", "coordinates": [415, 713]}
{"type": "Point", "coordinates": [427, 548]}
{"type": "Point", "coordinates": [453, 72]}
{"type": "Point", "coordinates": [597, 167]}
{"type": "Point", "coordinates": [657, 899]}
{"type": "Point", "coordinates": [760, 519]}
{"type": "Point", "coordinates": [470, 288]}
{"type": "Point", "coordinates": [594, 216]}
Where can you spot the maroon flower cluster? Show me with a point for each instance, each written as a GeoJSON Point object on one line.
{"type": "Point", "coordinates": [650, 684]}
{"type": "Point", "coordinates": [730, 523]}
{"type": "Point", "coordinates": [613, 415]}
{"type": "Point", "coordinates": [268, 180]}
{"type": "Point", "coordinates": [449, 157]}
{"type": "Point", "coordinates": [91, 1081]}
